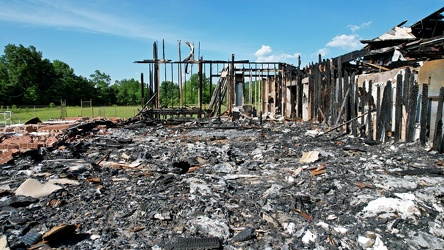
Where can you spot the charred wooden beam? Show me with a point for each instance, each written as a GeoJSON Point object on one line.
{"type": "Point", "coordinates": [347, 99]}
{"type": "Point", "coordinates": [333, 94]}
{"type": "Point", "coordinates": [422, 171]}
{"type": "Point", "coordinates": [319, 88]}
{"type": "Point", "coordinates": [361, 107]}
{"type": "Point", "coordinates": [406, 87]}
{"type": "Point", "coordinates": [398, 109]}
{"type": "Point", "coordinates": [386, 113]}
{"type": "Point", "coordinates": [411, 114]}
{"type": "Point", "coordinates": [437, 142]}
{"type": "Point", "coordinates": [142, 86]}
{"type": "Point", "coordinates": [353, 104]}
{"type": "Point", "coordinates": [300, 94]}
{"type": "Point", "coordinates": [342, 107]}
{"type": "Point", "coordinates": [437, 137]}
{"type": "Point", "coordinates": [369, 106]}
{"type": "Point", "coordinates": [339, 80]}
{"type": "Point", "coordinates": [378, 111]}
{"type": "Point", "coordinates": [424, 114]}
{"type": "Point", "coordinates": [156, 74]}
{"type": "Point", "coordinates": [328, 88]}
{"type": "Point", "coordinates": [199, 88]}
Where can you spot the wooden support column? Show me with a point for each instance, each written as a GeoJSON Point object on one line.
{"type": "Point", "coordinates": [211, 79]}
{"type": "Point", "coordinates": [424, 113]}
{"type": "Point", "coordinates": [250, 90]}
{"type": "Point", "coordinates": [347, 100]}
{"type": "Point", "coordinates": [378, 112]}
{"type": "Point", "coordinates": [398, 108]}
{"type": "Point", "coordinates": [310, 92]}
{"type": "Point", "coordinates": [437, 138]}
{"type": "Point", "coordinates": [333, 94]}
{"type": "Point", "coordinates": [156, 76]}
{"type": "Point", "coordinates": [369, 106]}
{"type": "Point", "coordinates": [342, 107]}
{"type": "Point", "coordinates": [231, 85]}
{"type": "Point", "coordinates": [411, 114]}
{"type": "Point", "coordinates": [328, 90]}
{"type": "Point", "coordinates": [219, 90]}
{"type": "Point", "coordinates": [180, 79]}
{"type": "Point", "coordinates": [300, 90]}
{"type": "Point", "coordinates": [151, 90]}
{"type": "Point", "coordinates": [142, 86]}
{"type": "Point", "coordinates": [340, 94]}
{"type": "Point", "coordinates": [319, 88]}
{"type": "Point", "coordinates": [406, 88]}
{"type": "Point", "coordinates": [284, 79]}
{"type": "Point", "coordinates": [353, 103]}
{"type": "Point", "coordinates": [386, 113]}
{"type": "Point", "coordinates": [199, 88]}
{"type": "Point", "coordinates": [361, 107]}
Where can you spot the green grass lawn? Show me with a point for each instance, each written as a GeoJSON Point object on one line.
{"type": "Point", "coordinates": [21, 115]}
{"type": "Point", "coordinates": [24, 114]}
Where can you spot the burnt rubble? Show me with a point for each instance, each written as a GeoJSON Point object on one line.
{"type": "Point", "coordinates": [222, 185]}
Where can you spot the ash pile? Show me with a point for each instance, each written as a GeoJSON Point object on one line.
{"type": "Point", "coordinates": [228, 185]}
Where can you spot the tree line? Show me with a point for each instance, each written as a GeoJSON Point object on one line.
{"type": "Point", "coordinates": [26, 78]}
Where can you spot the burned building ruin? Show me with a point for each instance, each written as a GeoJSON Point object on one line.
{"type": "Point", "coordinates": [379, 92]}
{"type": "Point", "coordinates": [344, 153]}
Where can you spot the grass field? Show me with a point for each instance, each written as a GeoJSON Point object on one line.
{"type": "Point", "coordinates": [21, 115]}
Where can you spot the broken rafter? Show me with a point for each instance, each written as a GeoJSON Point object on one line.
{"type": "Point", "coordinates": [347, 122]}
{"type": "Point", "coordinates": [376, 66]}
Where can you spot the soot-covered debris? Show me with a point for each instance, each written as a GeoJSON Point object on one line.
{"type": "Point", "coordinates": [222, 186]}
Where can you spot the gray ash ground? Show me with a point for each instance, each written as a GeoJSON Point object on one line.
{"type": "Point", "coordinates": [165, 187]}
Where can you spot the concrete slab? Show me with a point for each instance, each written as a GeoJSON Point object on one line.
{"type": "Point", "coordinates": [36, 189]}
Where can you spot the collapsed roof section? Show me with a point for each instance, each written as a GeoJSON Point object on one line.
{"type": "Point", "coordinates": [431, 26]}
{"type": "Point", "coordinates": [400, 46]}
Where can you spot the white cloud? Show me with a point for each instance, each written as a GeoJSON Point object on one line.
{"type": "Point", "coordinates": [346, 42]}
{"type": "Point", "coordinates": [367, 24]}
{"type": "Point", "coordinates": [264, 54]}
{"type": "Point", "coordinates": [60, 14]}
{"type": "Point", "coordinates": [263, 51]}
{"type": "Point", "coordinates": [354, 28]}
{"type": "Point", "coordinates": [323, 52]}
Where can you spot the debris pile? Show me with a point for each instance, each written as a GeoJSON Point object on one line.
{"type": "Point", "coordinates": [221, 185]}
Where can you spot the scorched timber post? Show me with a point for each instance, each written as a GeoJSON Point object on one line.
{"type": "Point", "coordinates": [199, 89]}
{"type": "Point", "coordinates": [424, 113]}
{"type": "Point", "coordinates": [398, 108]}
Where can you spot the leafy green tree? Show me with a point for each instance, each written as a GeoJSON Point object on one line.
{"type": "Point", "coordinates": [191, 87]}
{"type": "Point", "coordinates": [65, 82]}
{"type": "Point", "coordinates": [4, 83]}
{"type": "Point", "coordinates": [83, 88]}
{"type": "Point", "coordinates": [101, 83]}
{"type": "Point", "coordinates": [25, 75]}
{"type": "Point", "coordinates": [46, 82]}
{"type": "Point", "coordinates": [255, 85]}
{"type": "Point", "coordinates": [128, 92]}
{"type": "Point", "coordinates": [169, 94]}
{"type": "Point", "coordinates": [69, 86]}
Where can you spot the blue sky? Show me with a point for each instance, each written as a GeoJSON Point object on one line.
{"type": "Point", "coordinates": [109, 35]}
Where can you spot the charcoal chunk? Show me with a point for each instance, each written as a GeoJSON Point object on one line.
{"type": "Point", "coordinates": [246, 234]}
{"type": "Point", "coordinates": [194, 243]}
{"type": "Point", "coordinates": [31, 238]}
